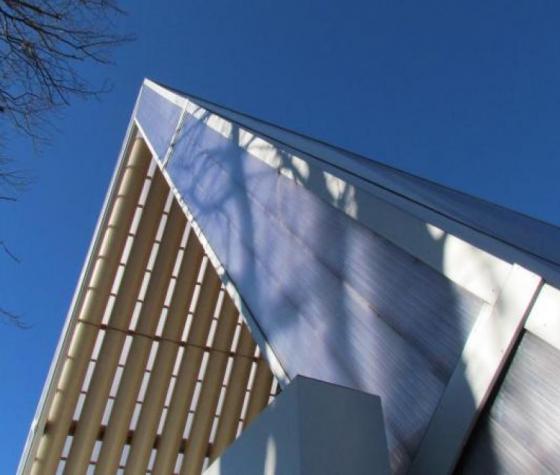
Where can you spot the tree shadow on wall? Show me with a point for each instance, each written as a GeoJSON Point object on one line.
{"type": "Point", "coordinates": [335, 300]}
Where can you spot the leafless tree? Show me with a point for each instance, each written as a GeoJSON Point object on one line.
{"type": "Point", "coordinates": [42, 46]}
{"type": "Point", "coordinates": [42, 43]}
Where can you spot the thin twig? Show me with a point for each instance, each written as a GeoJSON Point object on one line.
{"type": "Point", "coordinates": [14, 319]}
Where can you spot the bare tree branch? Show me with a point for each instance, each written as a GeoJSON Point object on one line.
{"type": "Point", "coordinates": [8, 252]}
{"type": "Point", "coordinates": [42, 42]}
{"type": "Point", "coordinates": [42, 45]}
{"type": "Point", "coordinates": [14, 319]}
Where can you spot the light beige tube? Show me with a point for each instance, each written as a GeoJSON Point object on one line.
{"type": "Point", "coordinates": [235, 393]}
{"type": "Point", "coordinates": [92, 307]}
{"type": "Point", "coordinates": [260, 392]}
{"type": "Point", "coordinates": [88, 425]}
{"type": "Point", "coordinates": [160, 378]}
{"type": "Point", "coordinates": [197, 446]}
{"type": "Point", "coordinates": [186, 380]}
{"type": "Point", "coordinates": [123, 407]}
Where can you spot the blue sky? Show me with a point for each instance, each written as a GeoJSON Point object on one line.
{"type": "Point", "coordinates": [463, 93]}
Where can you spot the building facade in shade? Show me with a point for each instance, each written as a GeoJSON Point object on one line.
{"type": "Point", "coordinates": [256, 301]}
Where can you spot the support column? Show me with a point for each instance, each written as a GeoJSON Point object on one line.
{"type": "Point", "coordinates": [260, 392]}
{"type": "Point", "coordinates": [103, 374]}
{"type": "Point", "coordinates": [125, 401]}
{"type": "Point", "coordinates": [190, 367]}
{"type": "Point", "coordinates": [311, 428]}
{"type": "Point", "coordinates": [197, 446]}
{"type": "Point", "coordinates": [154, 401]}
{"type": "Point", "coordinates": [91, 308]}
{"type": "Point", "coordinates": [235, 393]}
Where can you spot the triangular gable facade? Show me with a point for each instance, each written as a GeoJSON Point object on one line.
{"type": "Point", "coordinates": [348, 272]}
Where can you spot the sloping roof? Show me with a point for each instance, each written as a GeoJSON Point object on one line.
{"type": "Point", "coordinates": [156, 369]}
{"type": "Point", "coordinates": [511, 235]}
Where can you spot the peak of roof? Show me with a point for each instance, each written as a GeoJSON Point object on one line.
{"type": "Point", "coordinates": [510, 234]}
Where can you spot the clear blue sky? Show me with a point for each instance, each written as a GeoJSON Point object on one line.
{"type": "Point", "coordinates": [463, 93]}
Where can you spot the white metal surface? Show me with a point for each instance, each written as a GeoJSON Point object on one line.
{"type": "Point", "coordinates": [484, 356]}
{"type": "Point", "coordinates": [544, 320]}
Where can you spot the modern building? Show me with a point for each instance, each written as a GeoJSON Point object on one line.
{"type": "Point", "coordinates": [256, 301]}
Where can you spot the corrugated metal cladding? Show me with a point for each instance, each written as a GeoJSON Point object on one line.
{"type": "Point", "coordinates": [160, 372]}
{"type": "Point", "coordinates": [529, 242]}
{"type": "Point", "coordinates": [334, 300]}
{"type": "Point", "coordinates": [520, 432]}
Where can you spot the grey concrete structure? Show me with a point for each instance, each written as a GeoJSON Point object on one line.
{"type": "Point", "coordinates": [312, 428]}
